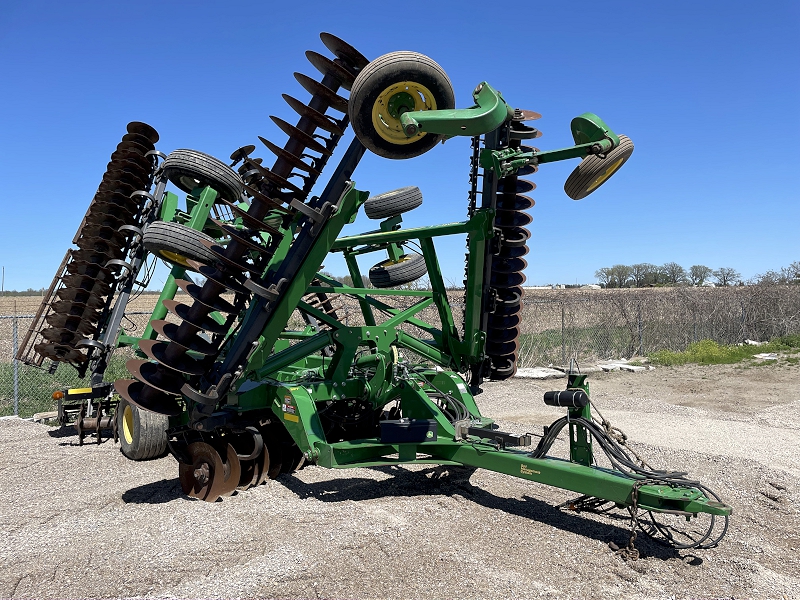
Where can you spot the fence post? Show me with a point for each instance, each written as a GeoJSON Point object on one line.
{"type": "Point", "coordinates": [563, 340]}
{"type": "Point", "coordinates": [15, 362]}
{"type": "Point", "coordinates": [639, 319]}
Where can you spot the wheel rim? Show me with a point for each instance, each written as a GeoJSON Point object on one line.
{"type": "Point", "coordinates": [605, 175]}
{"type": "Point", "coordinates": [402, 259]}
{"type": "Point", "coordinates": [175, 258]}
{"type": "Point", "coordinates": [127, 424]}
{"type": "Point", "coordinates": [391, 103]}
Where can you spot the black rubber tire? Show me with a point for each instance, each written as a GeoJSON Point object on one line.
{"type": "Point", "coordinates": [142, 433]}
{"type": "Point", "coordinates": [591, 173]}
{"type": "Point", "coordinates": [189, 168]}
{"type": "Point", "coordinates": [391, 204]}
{"type": "Point", "coordinates": [375, 79]}
{"type": "Point", "coordinates": [388, 274]}
{"type": "Point", "coordinates": [175, 243]}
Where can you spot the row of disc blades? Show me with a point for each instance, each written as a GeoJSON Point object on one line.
{"type": "Point", "coordinates": [507, 277]}
{"type": "Point", "coordinates": [172, 370]}
{"type": "Point", "coordinates": [86, 284]}
{"type": "Point", "coordinates": [220, 465]}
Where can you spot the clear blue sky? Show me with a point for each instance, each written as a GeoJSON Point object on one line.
{"type": "Point", "coordinates": [708, 91]}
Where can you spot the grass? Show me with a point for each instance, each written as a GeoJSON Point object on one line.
{"type": "Point", "coordinates": [36, 386]}
{"type": "Point", "coordinates": [708, 352]}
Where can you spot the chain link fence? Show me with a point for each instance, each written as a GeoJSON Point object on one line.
{"type": "Point", "coordinates": [556, 325]}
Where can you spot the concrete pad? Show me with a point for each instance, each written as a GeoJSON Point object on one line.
{"type": "Point", "coordinates": [539, 373]}
{"type": "Point", "coordinates": [632, 368]}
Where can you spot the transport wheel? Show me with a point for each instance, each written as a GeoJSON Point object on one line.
{"type": "Point", "coordinates": [142, 433]}
{"type": "Point", "coordinates": [391, 204]}
{"type": "Point", "coordinates": [595, 171]}
{"type": "Point", "coordinates": [189, 169]}
{"type": "Point", "coordinates": [178, 244]}
{"type": "Point", "coordinates": [389, 273]}
{"type": "Point", "coordinates": [386, 88]}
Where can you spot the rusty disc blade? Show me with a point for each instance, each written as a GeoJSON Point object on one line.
{"type": "Point", "coordinates": [507, 280]}
{"type": "Point", "coordinates": [219, 277]}
{"type": "Point", "coordinates": [326, 66]}
{"type": "Point", "coordinates": [344, 51]}
{"type": "Point", "coordinates": [515, 236]}
{"type": "Point", "coordinates": [512, 185]}
{"type": "Point", "coordinates": [194, 290]}
{"type": "Point", "coordinates": [194, 343]}
{"type": "Point", "coordinates": [525, 115]}
{"type": "Point", "coordinates": [155, 376]}
{"type": "Point", "coordinates": [241, 265]}
{"type": "Point", "coordinates": [182, 311]}
{"type": "Point", "coordinates": [515, 202]}
{"type": "Point", "coordinates": [512, 218]}
{"type": "Point", "coordinates": [204, 477]}
{"type": "Point", "coordinates": [274, 178]}
{"type": "Point", "coordinates": [292, 159]}
{"type": "Point", "coordinates": [143, 129]}
{"type": "Point", "coordinates": [233, 472]}
{"type": "Point", "coordinates": [182, 364]}
{"type": "Point", "coordinates": [147, 398]}
{"type": "Point", "coordinates": [301, 136]}
{"type": "Point", "coordinates": [58, 335]}
{"type": "Point", "coordinates": [508, 265]}
{"type": "Point", "coordinates": [315, 88]}
{"type": "Point", "coordinates": [60, 353]}
{"type": "Point", "coordinates": [316, 117]}
{"type": "Point", "coordinates": [71, 323]}
{"type": "Point", "coordinates": [262, 466]}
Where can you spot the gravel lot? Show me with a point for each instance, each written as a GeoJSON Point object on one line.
{"type": "Point", "coordinates": [85, 522]}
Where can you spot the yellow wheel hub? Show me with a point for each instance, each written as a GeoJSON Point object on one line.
{"type": "Point", "coordinates": [605, 174]}
{"type": "Point", "coordinates": [174, 257]}
{"type": "Point", "coordinates": [127, 424]}
{"type": "Point", "coordinates": [399, 98]}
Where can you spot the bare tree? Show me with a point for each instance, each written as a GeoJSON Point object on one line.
{"type": "Point", "coordinates": [621, 275]}
{"type": "Point", "coordinates": [699, 273]}
{"type": "Point", "coordinates": [673, 273]}
{"type": "Point", "coordinates": [604, 276]}
{"type": "Point", "coordinates": [643, 274]}
{"type": "Point", "coordinates": [726, 275]}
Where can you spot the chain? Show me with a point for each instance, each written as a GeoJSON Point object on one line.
{"type": "Point", "coordinates": [630, 552]}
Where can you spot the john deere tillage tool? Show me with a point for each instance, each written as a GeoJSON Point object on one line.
{"type": "Point", "coordinates": [249, 399]}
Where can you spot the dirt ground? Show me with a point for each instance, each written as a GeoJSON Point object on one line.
{"type": "Point", "coordinates": [87, 523]}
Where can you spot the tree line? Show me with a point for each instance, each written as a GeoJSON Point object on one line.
{"type": "Point", "coordinates": [671, 273]}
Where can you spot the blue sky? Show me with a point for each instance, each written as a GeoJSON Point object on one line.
{"type": "Point", "coordinates": [708, 91]}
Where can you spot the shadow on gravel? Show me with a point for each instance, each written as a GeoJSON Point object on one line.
{"type": "Point", "coordinates": [450, 481]}
{"type": "Point", "coordinates": [157, 492]}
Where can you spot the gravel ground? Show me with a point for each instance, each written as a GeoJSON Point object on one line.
{"type": "Point", "coordinates": [86, 522]}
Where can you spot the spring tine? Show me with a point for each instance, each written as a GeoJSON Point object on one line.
{"type": "Point", "coordinates": [315, 88]}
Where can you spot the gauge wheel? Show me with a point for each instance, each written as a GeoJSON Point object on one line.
{"type": "Point", "coordinates": [390, 273]}
{"type": "Point", "coordinates": [142, 433]}
{"type": "Point", "coordinates": [389, 86]}
{"type": "Point", "coordinates": [391, 204]}
{"type": "Point", "coordinates": [595, 171]}
{"type": "Point", "coordinates": [189, 169]}
{"type": "Point", "coordinates": [177, 244]}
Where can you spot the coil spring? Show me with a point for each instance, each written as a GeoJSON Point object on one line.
{"type": "Point", "coordinates": [88, 281]}
{"type": "Point", "coordinates": [310, 143]}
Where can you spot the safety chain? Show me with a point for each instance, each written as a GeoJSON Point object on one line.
{"type": "Point", "coordinates": [630, 552]}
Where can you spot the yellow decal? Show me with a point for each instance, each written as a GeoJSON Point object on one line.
{"type": "Point", "coordinates": [292, 418]}
{"type": "Point", "coordinates": [526, 470]}
{"type": "Point", "coordinates": [80, 391]}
